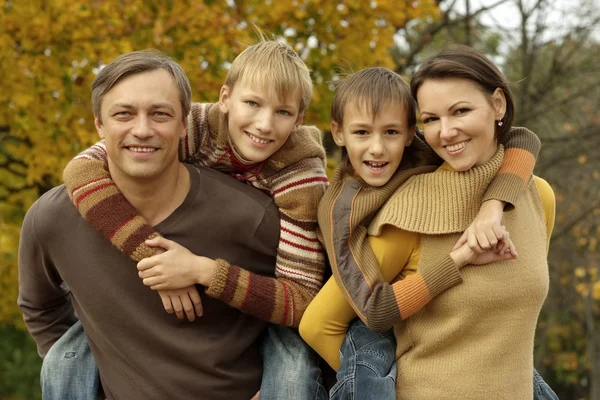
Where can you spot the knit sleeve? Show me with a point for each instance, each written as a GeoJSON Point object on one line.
{"type": "Point", "coordinates": [379, 304]}
{"type": "Point", "coordinates": [521, 149]}
{"type": "Point", "coordinates": [300, 263]}
{"type": "Point", "coordinates": [103, 206]}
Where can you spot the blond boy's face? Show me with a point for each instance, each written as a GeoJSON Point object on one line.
{"type": "Point", "coordinates": [375, 144]}
{"type": "Point", "coordinates": [259, 121]}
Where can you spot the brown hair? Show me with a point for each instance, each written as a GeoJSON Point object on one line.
{"type": "Point", "coordinates": [371, 89]}
{"type": "Point", "coordinates": [273, 63]}
{"type": "Point", "coordinates": [137, 62]}
{"type": "Point", "coordinates": [460, 61]}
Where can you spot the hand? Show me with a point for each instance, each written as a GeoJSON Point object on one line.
{"type": "Point", "coordinates": [256, 396]}
{"type": "Point", "coordinates": [485, 232]}
{"type": "Point", "coordinates": [176, 268]}
{"type": "Point", "coordinates": [182, 301]}
{"type": "Point", "coordinates": [504, 250]}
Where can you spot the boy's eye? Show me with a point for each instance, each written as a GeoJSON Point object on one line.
{"type": "Point", "coordinates": [251, 103]}
{"type": "Point", "coordinates": [391, 132]}
{"type": "Point", "coordinates": [284, 112]}
{"type": "Point", "coordinates": [361, 132]}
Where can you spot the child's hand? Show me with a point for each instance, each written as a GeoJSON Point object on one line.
{"type": "Point", "coordinates": [503, 250]}
{"type": "Point", "coordinates": [485, 232]}
{"type": "Point", "coordinates": [176, 268]}
{"type": "Point", "coordinates": [182, 301]}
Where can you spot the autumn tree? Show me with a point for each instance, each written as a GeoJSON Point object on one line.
{"type": "Point", "coordinates": [50, 52]}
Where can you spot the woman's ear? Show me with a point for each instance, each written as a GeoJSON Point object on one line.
{"type": "Point", "coordinates": [499, 103]}
{"type": "Point", "coordinates": [337, 133]}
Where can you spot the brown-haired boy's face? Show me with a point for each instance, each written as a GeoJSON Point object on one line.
{"type": "Point", "coordinates": [375, 144]}
{"type": "Point", "coordinates": [259, 120]}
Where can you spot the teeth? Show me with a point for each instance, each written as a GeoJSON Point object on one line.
{"type": "Point", "coordinates": [258, 140]}
{"type": "Point", "coordinates": [458, 146]}
{"type": "Point", "coordinates": [373, 164]}
{"type": "Point", "coordinates": [142, 149]}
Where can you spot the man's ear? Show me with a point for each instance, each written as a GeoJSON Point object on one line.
{"type": "Point", "coordinates": [410, 135]}
{"type": "Point", "coordinates": [499, 102]}
{"type": "Point", "coordinates": [99, 127]}
{"type": "Point", "coordinates": [185, 129]}
{"type": "Point", "coordinates": [337, 133]}
{"type": "Point", "coordinates": [224, 97]}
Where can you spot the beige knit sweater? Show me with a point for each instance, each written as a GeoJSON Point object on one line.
{"type": "Point", "coordinates": [474, 341]}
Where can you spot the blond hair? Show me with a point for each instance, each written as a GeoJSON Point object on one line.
{"type": "Point", "coordinates": [136, 62]}
{"type": "Point", "coordinates": [273, 63]}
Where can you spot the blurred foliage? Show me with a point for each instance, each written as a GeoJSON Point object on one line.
{"type": "Point", "coordinates": [50, 52]}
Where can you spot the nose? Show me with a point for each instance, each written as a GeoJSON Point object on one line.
{"type": "Point", "coordinates": [142, 128]}
{"type": "Point", "coordinates": [264, 122]}
{"type": "Point", "coordinates": [376, 146]}
{"type": "Point", "coordinates": [447, 129]}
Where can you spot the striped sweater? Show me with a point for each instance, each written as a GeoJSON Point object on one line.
{"type": "Point", "coordinates": [349, 206]}
{"type": "Point", "coordinates": [294, 176]}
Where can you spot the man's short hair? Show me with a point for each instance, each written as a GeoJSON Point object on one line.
{"type": "Point", "coordinates": [271, 62]}
{"type": "Point", "coordinates": [137, 62]}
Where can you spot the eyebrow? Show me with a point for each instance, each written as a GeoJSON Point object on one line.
{"type": "Point", "coordinates": [153, 107]}
{"type": "Point", "coordinates": [449, 108]}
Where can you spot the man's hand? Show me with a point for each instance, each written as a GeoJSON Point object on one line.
{"type": "Point", "coordinates": [485, 232]}
{"type": "Point", "coordinates": [503, 250]}
{"type": "Point", "coordinates": [176, 268]}
{"type": "Point", "coordinates": [182, 301]}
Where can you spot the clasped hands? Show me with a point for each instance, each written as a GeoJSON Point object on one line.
{"type": "Point", "coordinates": [174, 272]}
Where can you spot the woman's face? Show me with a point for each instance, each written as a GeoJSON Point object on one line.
{"type": "Point", "coordinates": [459, 120]}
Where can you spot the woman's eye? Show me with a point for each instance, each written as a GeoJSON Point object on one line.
{"type": "Point", "coordinates": [461, 111]}
{"type": "Point", "coordinates": [429, 119]}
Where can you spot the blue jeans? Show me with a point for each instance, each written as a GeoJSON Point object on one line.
{"type": "Point", "coordinates": [368, 369]}
{"type": "Point", "coordinates": [541, 390]}
{"type": "Point", "coordinates": [290, 367]}
{"type": "Point", "coordinates": [69, 371]}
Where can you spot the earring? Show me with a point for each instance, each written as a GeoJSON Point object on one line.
{"type": "Point", "coordinates": [500, 122]}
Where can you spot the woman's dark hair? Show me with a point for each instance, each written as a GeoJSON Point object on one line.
{"type": "Point", "coordinates": [460, 61]}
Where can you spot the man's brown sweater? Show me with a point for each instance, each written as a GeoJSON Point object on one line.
{"type": "Point", "coordinates": [66, 267]}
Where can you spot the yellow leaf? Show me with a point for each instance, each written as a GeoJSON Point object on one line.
{"type": "Point", "coordinates": [580, 272]}
{"type": "Point", "coordinates": [582, 159]}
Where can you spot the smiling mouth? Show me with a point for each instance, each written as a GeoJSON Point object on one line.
{"type": "Point", "coordinates": [258, 140]}
{"type": "Point", "coordinates": [141, 149]}
{"type": "Point", "coordinates": [458, 146]}
{"type": "Point", "coordinates": [376, 165]}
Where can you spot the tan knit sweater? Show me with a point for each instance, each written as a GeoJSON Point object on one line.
{"type": "Point", "coordinates": [476, 340]}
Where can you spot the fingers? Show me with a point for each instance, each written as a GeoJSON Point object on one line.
{"type": "Point", "coordinates": [153, 281]}
{"type": "Point", "coordinates": [196, 301]}
{"type": "Point", "coordinates": [166, 300]}
{"type": "Point", "coordinates": [160, 242]}
{"type": "Point", "coordinates": [177, 306]}
{"type": "Point", "coordinates": [188, 307]}
{"type": "Point", "coordinates": [473, 243]}
{"type": "Point", "coordinates": [462, 240]}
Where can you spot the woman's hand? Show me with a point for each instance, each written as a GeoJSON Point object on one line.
{"type": "Point", "coordinates": [503, 250]}
{"type": "Point", "coordinates": [176, 268]}
{"type": "Point", "coordinates": [485, 232]}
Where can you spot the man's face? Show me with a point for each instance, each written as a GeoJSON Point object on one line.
{"type": "Point", "coordinates": [142, 124]}
{"type": "Point", "coordinates": [259, 120]}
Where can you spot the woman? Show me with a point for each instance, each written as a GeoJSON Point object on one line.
{"type": "Point", "coordinates": [474, 339]}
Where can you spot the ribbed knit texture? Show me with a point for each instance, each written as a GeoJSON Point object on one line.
{"type": "Point", "coordinates": [476, 340]}
{"type": "Point", "coordinates": [348, 208]}
{"type": "Point", "coordinates": [294, 176]}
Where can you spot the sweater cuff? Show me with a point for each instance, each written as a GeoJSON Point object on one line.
{"type": "Point", "coordinates": [218, 283]}
{"type": "Point", "coordinates": [441, 276]}
{"type": "Point", "coordinates": [506, 188]}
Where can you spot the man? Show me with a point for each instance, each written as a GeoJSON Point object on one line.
{"type": "Point", "coordinates": [141, 102]}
